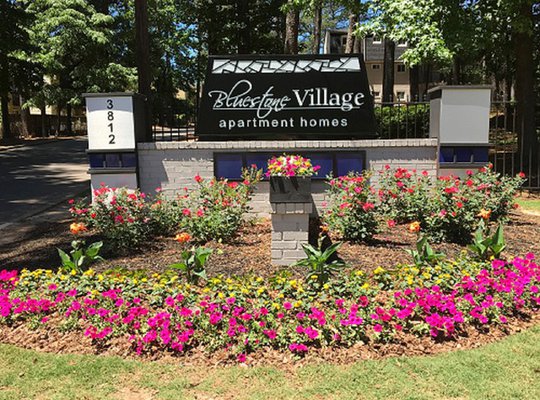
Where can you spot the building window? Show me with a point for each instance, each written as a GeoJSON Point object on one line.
{"type": "Point", "coordinates": [402, 43]}
{"type": "Point", "coordinates": [230, 165]}
{"type": "Point", "coordinates": [401, 68]}
{"type": "Point", "coordinates": [401, 96]}
{"type": "Point", "coordinates": [375, 66]}
{"type": "Point", "coordinates": [377, 40]}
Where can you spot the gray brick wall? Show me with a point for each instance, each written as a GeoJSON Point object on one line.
{"type": "Point", "coordinates": [290, 229]}
{"type": "Point", "coordinates": [171, 166]}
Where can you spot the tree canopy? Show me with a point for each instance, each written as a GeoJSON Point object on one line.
{"type": "Point", "coordinates": [52, 51]}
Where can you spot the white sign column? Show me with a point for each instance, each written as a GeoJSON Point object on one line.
{"type": "Point", "coordinates": [114, 126]}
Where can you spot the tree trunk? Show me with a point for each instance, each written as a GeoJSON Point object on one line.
{"type": "Point", "coordinates": [69, 119]}
{"type": "Point", "coordinates": [456, 71]}
{"type": "Point", "coordinates": [4, 93]}
{"type": "Point", "coordinates": [244, 30]}
{"type": "Point", "coordinates": [58, 120]}
{"type": "Point", "coordinates": [357, 48]}
{"type": "Point", "coordinates": [525, 96]}
{"type": "Point", "coordinates": [349, 46]}
{"type": "Point", "coordinates": [25, 117]}
{"type": "Point", "coordinates": [43, 118]}
{"type": "Point", "coordinates": [317, 29]}
{"type": "Point", "coordinates": [427, 78]}
{"type": "Point", "coordinates": [388, 77]}
{"type": "Point", "coordinates": [6, 127]}
{"type": "Point", "coordinates": [291, 30]}
{"type": "Point", "coordinates": [414, 82]}
{"type": "Point", "coordinates": [142, 45]}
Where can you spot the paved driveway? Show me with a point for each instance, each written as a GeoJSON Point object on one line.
{"type": "Point", "coordinates": [34, 178]}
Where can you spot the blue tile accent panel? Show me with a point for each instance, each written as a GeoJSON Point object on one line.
{"type": "Point", "coordinates": [349, 162]}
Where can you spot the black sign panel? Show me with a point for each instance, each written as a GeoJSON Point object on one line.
{"type": "Point", "coordinates": [286, 97]}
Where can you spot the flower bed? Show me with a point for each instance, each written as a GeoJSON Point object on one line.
{"type": "Point", "coordinates": [157, 313]}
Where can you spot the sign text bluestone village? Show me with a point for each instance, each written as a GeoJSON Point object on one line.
{"type": "Point", "coordinates": [288, 96]}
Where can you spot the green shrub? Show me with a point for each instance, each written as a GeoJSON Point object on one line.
{"type": "Point", "coordinates": [123, 217]}
{"type": "Point", "coordinates": [403, 121]}
{"type": "Point", "coordinates": [215, 209]}
{"type": "Point", "coordinates": [449, 209]}
{"type": "Point", "coordinates": [351, 211]}
{"type": "Point", "coordinates": [404, 195]}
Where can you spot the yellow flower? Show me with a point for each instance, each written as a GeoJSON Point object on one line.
{"type": "Point", "coordinates": [326, 286]}
{"type": "Point", "coordinates": [221, 295]}
{"type": "Point", "coordinates": [298, 304]}
{"type": "Point", "coordinates": [365, 286]}
{"type": "Point", "coordinates": [359, 273]}
{"type": "Point", "coordinates": [100, 277]}
{"type": "Point", "coordinates": [206, 290]}
{"type": "Point", "coordinates": [379, 271]}
{"type": "Point", "coordinates": [73, 272]}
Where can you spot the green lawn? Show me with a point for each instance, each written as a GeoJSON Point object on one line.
{"type": "Point", "coordinates": [506, 370]}
{"type": "Point", "coordinates": [529, 204]}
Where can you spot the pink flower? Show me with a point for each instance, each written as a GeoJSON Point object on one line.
{"type": "Point", "coordinates": [287, 305]}
{"type": "Point", "coordinates": [391, 223]}
{"type": "Point", "coordinates": [377, 328]}
{"type": "Point", "coordinates": [241, 358]}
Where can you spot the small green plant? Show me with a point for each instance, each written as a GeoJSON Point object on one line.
{"type": "Point", "coordinates": [193, 263]}
{"type": "Point", "coordinates": [485, 245]}
{"type": "Point", "coordinates": [318, 262]}
{"type": "Point", "coordinates": [80, 256]}
{"type": "Point", "coordinates": [424, 253]}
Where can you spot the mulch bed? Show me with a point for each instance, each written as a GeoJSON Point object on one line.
{"type": "Point", "coordinates": [35, 247]}
{"type": "Point", "coordinates": [49, 339]}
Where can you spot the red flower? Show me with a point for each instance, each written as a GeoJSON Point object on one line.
{"type": "Point", "coordinates": [198, 178]}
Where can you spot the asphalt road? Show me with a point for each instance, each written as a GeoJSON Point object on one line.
{"type": "Point", "coordinates": [35, 178]}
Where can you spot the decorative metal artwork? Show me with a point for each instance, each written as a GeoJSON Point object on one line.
{"type": "Point", "coordinates": [230, 66]}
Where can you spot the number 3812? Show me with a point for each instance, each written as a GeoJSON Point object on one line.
{"type": "Point", "coordinates": [110, 118]}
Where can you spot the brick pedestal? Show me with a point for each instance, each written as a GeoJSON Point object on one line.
{"type": "Point", "coordinates": [290, 229]}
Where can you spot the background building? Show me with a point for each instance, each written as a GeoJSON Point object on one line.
{"type": "Point", "coordinates": [373, 50]}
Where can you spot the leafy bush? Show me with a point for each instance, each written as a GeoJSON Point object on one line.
{"type": "Point", "coordinates": [450, 208]}
{"type": "Point", "coordinates": [215, 209]}
{"type": "Point", "coordinates": [352, 210]}
{"type": "Point", "coordinates": [319, 262]}
{"type": "Point", "coordinates": [80, 256]}
{"type": "Point", "coordinates": [123, 217]}
{"type": "Point", "coordinates": [403, 121]}
{"type": "Point", "coordinates": [485, 245]}
{"type": "Point", "coordinates": [128, 218]}
{"type": "Point", "coordinates": [424, 254]}
{"type": "Point", "coordinates": [404, 195]}
{"type": "Point", "coordinates": [193, 263]}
